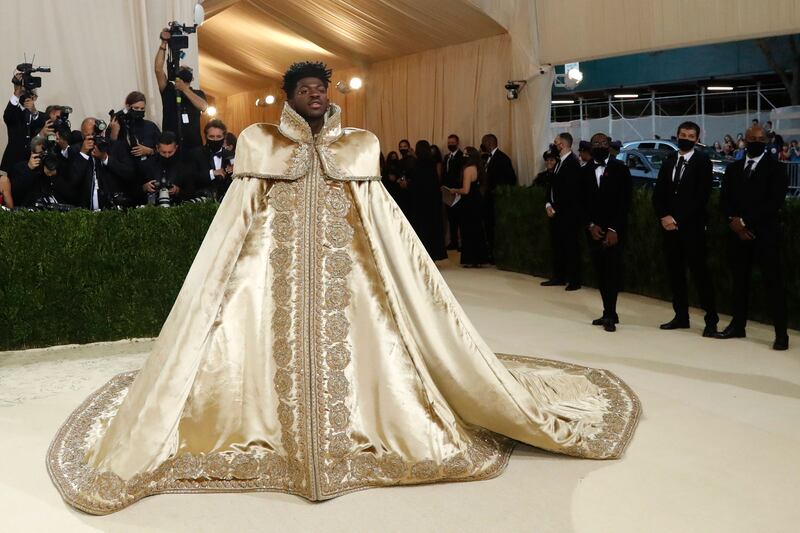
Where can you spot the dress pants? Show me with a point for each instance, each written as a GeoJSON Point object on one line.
{"type": "Point", "coordinates": [608, 266]}
{"type": "Point", "coordinates": [764, 250]}
{"type": "Point", "coordinates": [565, 247]}
{"type": "Point", "coordinates": [686, 248]}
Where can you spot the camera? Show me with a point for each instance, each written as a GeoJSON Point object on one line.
{"type": "Point", "coordinates": [101, 142]}
{"type": "Point", "coordinates": [513, 87]}
{"type": "Point", "coordinates": [62, 126]}
{"type": "Point", "coordinates": [178, 41]}
{"type": "Point", "coordinates": [51, 155]}
{"type": "Point", "coordinates": [29, 82]}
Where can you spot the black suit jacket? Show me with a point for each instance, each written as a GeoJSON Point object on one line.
{"type": "Point", "coordinates": [757, 199]}
{"type": "Point", "coordinates": [115, 176]}
{"type": "Point", "coordinates": [500, 171]}
{"type": "Point", "coordinates": [20, 134]}
{"type": "Point", "coordinates": [607, 205]}
{"type": "Point", "coordinates": [563, 189]}
{"type": "Point", "coordinates": [453, 163]}
{"type": "Point", "coordinates": [687, 202]}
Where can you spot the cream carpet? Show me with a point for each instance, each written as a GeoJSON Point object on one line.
{"type": "Point", "coordinates": [717, 449]}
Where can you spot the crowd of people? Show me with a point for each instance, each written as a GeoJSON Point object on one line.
{"type": "Point", "coordinates": [590, 194]}
{"type": "Point", "coordinates": [421, 178]}
{"type": "Point", "coordinates": [776, 145]}
{"type": "Point", "coordinates": [126, 162]}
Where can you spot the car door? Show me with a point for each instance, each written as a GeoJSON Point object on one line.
{"type": "Point", "coordinates": [640, 169]}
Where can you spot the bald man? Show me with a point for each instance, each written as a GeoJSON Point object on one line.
{"type": "Point", "coordinates": [753, 194]}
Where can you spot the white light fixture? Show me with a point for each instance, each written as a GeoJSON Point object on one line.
{"type": "Point", "coordinates": [269, 99]}
{"type": "Point", "coordinates": [626, 95]}
{"type": "Point", "coordinates": [356, 83]}
{"type": "Point", "coordinates": [563, 101]}
{"type": "Point", "coordinates": [211, 111]}
{"type": "Point", "coordinates": [258, 102]}
{"type": "Point", "coordinates": [571, 77]}
{"type": "Point", "coordinates": [719, 88]}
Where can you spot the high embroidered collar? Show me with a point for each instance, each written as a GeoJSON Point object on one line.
{"type": "Point", "coordinates": [297, 129]}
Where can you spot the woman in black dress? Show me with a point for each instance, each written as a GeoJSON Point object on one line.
{"type": "Point", "coordinates": [428, 202]}
{"type": "Point", "coordinates": [474, 248]}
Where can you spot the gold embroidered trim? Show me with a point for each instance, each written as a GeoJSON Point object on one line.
{"type": "Point", "coordinates": [623, 409]}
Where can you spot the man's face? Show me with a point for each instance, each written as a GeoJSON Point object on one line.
{"type": "Point", "coordinates": [756, 134]}
{"type": "Point", "coordinates": [167, 150]}
{"type": "Point", "coordinates": [559, 143]}
{"type": "Point", "coordinates": [687, 133]}
{"type": "Point", "coordinates": [550, 163]}
{"type": "Point", "coordinates": [310, 98]}
{"type": "Point", "coordinates": [55, 114]}
{"type": "Point", "coordinates": [138, 106]}
{"type": "Point", "coordinates": [215, 134]}
{"type": "Point", "coordinates": [404, 147]}
{"type": "Point", "coordinates": [600, 141]}
{"type": "Point", "coordinates": [452, 144]}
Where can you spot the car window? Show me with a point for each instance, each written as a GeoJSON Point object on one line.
{"type": "Point", "coordinates": [646, 146]}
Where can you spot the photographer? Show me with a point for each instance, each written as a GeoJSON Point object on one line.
{"type": "Point", "coordinates": [166, 173]}
{"type": "Point", "coordinates": [181, 104]}
{"type": "Point", "coordinates": [35, 181]}
{"type": "Point", "coordinates": [101, 172]}
{"type": "Point", "coordinates": [136, 133]}
{"type": "Point", "coordinates": [23, 121]}
{"type": "Point", "coordinates": [212, 163]}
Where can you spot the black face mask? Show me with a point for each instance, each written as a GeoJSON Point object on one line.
{"type": "Point", "coordinates": [599, 154]}
{"type": "Point", "coordinates": [452, 147]}
{"type": "Point", "coordinates": [684, 145]}
{"type": "Point", "coordinates": [185, 75]}
{"type": "Point", "coordinates": [136, 114]}
{"type": "Point", "coordinates": [168, 162]}
{"type": "Point", "coordinates": [755, 148]}
{"type": "Point", "coordinates": [215, 146]}
{"type": "Point", "coordinates": [404, 151]}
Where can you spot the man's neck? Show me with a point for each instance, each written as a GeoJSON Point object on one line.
{"type": "Point", "coordinates": [316, 124]}
{"type": "Point", "coordinates": [565, 151]}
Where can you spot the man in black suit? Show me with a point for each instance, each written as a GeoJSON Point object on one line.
{"type": "Point", "coordinates": [606, 194]}
{"type": "Point", "coordinates": [563, 208]}
{"type": "Point", "coordinates": [213, 165]}
{"type": "Point", "coordinates": [23, 122]}
{"type": "Point", "coordinates": [166, 174]}
{"type": "Point", "coordinates": [680, 198]}
{"type": "Point", "coordinates": [453, 163]}
{"type": "Point", "coordinates": [101, 173]}
{"type": "Point", "coordinates": [499, 171]}
{"type": "Point", "coordinates": [753, 195]}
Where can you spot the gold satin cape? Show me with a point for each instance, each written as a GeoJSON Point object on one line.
{"type": "Point", "coordinates": [315, 349]}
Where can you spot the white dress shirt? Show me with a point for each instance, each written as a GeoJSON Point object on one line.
{"type": "Point", "coordinates": [688, 155]}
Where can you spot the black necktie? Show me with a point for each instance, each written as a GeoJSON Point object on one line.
{"type": "Point", "coordinates": [748, 169]}
{"type": "Point", "coordinates": [678, 171]}
{"type": "Point", "coordinates": [558, 166]}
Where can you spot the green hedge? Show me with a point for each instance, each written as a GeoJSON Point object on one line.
{"type": "Point", "coordinates": [82, 277]}
{"type": "Point", "coordinates": [523, 245]}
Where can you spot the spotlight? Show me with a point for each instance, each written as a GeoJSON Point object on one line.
{"type": "Point", "coordinates": [211, 111]}
{"type": "Point", "coordinates": [513, 87]}
{"type": "Point", "coordinates": [355, 83]}
{"type": "Point", "coordinates": [269, 100]}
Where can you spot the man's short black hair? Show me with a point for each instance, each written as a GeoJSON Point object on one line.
{"type": "Point", "coordinates": [305, 69]}
{"type": "Point", "coordinates": [491, 136]}
{"type": "Point", "coordinates": [168, 137]}
{"type": "Point", "coordinates": [454, 136]}
{"type": "Point", "coordinates": [215, 123]}
{"type": "Point", "coordinates": [404, 141]}
{"type": "Point", "coordinates": [567, 136]}
{"type": "Point", "coordinates": [689, 125]}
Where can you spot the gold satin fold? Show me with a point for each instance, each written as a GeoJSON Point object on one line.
{"type": "Point", "coordinates": [315, 349]}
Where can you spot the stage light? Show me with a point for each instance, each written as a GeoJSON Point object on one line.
{"type": "Point", "coordinates": [513, 88]}
{"type": "Point", "coordinates": [719, 88]}
{"type": "Point", "coordinates": [269, 100]}
{"type": "Point", "coordinates": [211, 111]}
{"type": "Point", "coordinates": [626, 95]}
{"type": "Point", "coordinates": [563, 101]}
{"type": "Point", "coordinates": [355, 83]}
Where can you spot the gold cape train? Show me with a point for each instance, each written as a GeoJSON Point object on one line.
{"type": "Point", "coordinates": [315, 349]}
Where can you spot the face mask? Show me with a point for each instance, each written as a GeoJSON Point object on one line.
{"type": "Point", "coordinates": [404, 151]}
{"type": "Point", "coordinates": [684, 145]}
{"type": "Point", "coordinates": [137, 114]}
{"type": "Point", "coordinates": [168, 161]}
{"type": "Point", "coordinates": [755, 148]}
{"type": "Point", "coordinates": [185, 75]}
{"type": "Point", "coordinates": [452, 147]}
{"type": "Point", "coordinates": [214, 146]}
{"type": "Point", "coordinates": [599, 154]}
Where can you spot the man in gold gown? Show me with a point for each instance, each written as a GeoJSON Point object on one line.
{"type": "Point", "coordinates": [315, 349]}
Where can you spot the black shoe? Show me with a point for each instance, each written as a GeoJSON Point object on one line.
{"type": "Point", "coordinates": [676, 323]}
{"type": "Point", "coordinates": [600, 321]}
{"type": "Point", "coordinates": [573, 287]}
{"type": "Point", "coordinates": [781, 343]}
{"type": "Point", "coordinates": [732, 332]}
{"type": "Point", "coordinates": [608, 325]}
{"type": "Point", "coordinates": [552, 283]}
{"type": "Point", "coordinates": [710, 331]}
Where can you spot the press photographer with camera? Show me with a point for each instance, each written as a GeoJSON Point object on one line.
{"type": "Point", "coordinates": [101, 172]}
{"type": "Point", "coordinates": [23, 120]}
{"type": "Point", "coordinates": [166, 173]}
{"type": "Point", "coordinates": [213, 163]}
{"type": "Point", "coordinates": [139, 135]}
{"type": "Point", "coordinates": [181, 104]}
{"type": "Point", "coordinates": [35, 182]}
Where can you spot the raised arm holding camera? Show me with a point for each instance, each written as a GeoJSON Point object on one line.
{"type": "Point", "coordinates": [22, 119]}
{"type": "Point", "coordinates": [181, 104]}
